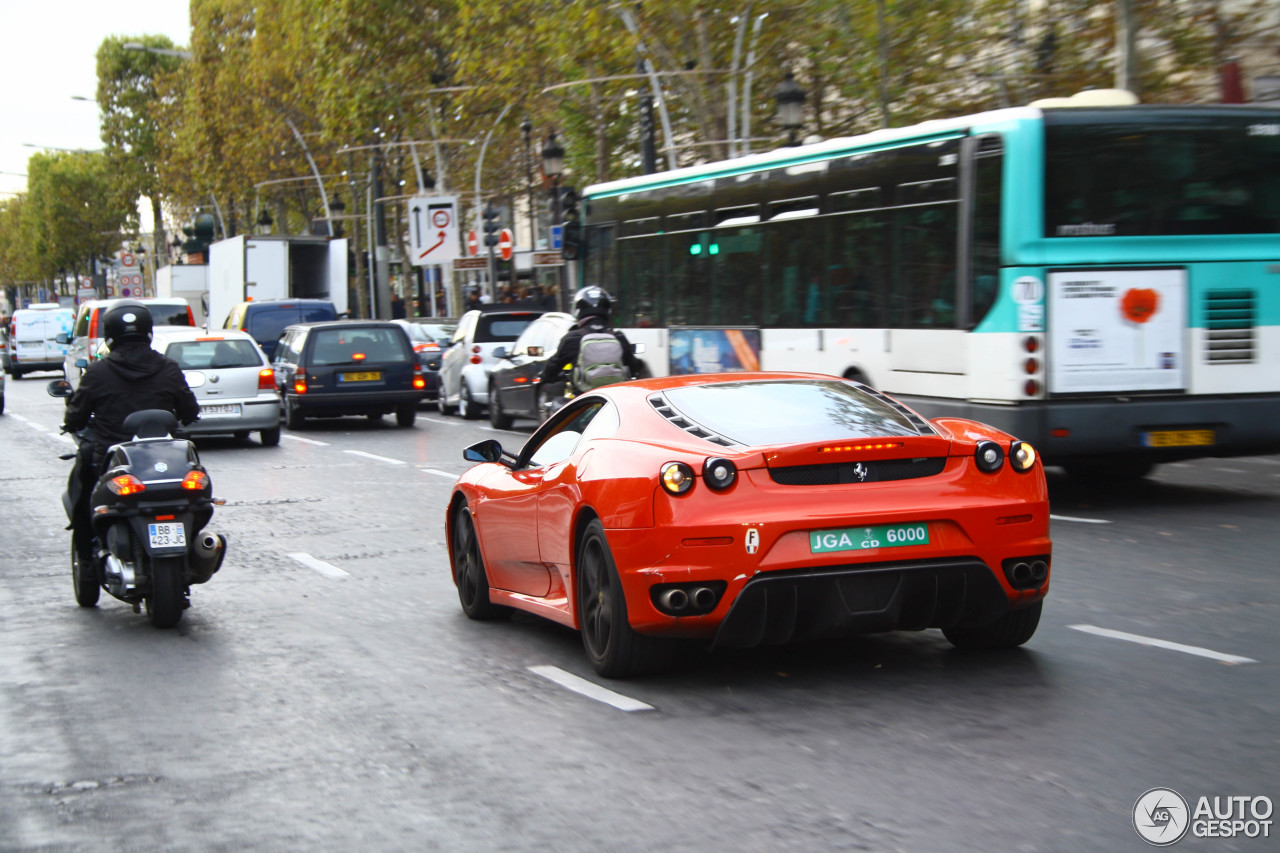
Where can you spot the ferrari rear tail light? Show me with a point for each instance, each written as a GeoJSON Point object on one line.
{"type": "Point", "coordinates": [266, 379]}
{"type": "Point", "coordinates": [989, 456]}
{"type": "Point", "coordinates": [677, 477]}
{"type": "Point", "coordinates": [719, 474]}
{"type": "Point", "coordinates": [1022, 456]}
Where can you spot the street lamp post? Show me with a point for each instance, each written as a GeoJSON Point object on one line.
{"type": "Point", "coordinates": [526, 128]}
{"type": "Point", "coordinates": [789, 98]}
{"type": "Point", "coordinates": [553, 167]}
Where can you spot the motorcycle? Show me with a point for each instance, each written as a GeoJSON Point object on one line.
{"type": "Point", "coordinates": [148, 511]}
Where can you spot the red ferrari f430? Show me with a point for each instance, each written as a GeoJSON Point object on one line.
{"type": "Point", "coordinates": [743, 509]}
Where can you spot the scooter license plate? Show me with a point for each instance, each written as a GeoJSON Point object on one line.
{"type": "Point", "coordinates": [170, 534]}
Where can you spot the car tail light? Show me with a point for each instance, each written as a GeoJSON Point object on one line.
{"type": "Point", "coordinates": [266, 379]}
{"type": "Point", "coordinates": [299, 384]}
{"type": "Point", "coordinates": [419, 381]}
{"type": "Point", "coordinates": [476, 349]}
{"type": "Point", "coordinates": [844, 448]}
{"type": "Point", "coordinates": [989, 456]}
{"type": "Point", "coordinates": [1022, 456]}
{"type": "Point", "coordinates": [677, 477]}
{"type": "Point", "coordinates": [719, 474]}
{"type": "Point", "coordinates": [125, 485]}
{"type": "Point", "coordinates": [358, 356]}
{"type": "Point", "coordinates": [195, 481]}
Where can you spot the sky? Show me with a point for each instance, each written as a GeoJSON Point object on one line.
{"type": "Point", "coordinates": [49, 56]}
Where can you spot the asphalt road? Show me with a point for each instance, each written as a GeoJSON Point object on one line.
{"type": "Point", "coordinates": [325, 692]}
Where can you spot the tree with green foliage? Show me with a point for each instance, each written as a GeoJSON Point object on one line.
{"type": "Point", "coordinates": [129, 96]}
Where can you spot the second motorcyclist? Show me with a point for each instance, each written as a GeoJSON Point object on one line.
{"type": "Point", "coordinates": [593, 307]}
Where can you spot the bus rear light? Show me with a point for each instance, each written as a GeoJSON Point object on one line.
{"type": "Point", "coordinates": [1032, 388]}
{"type": "Point", "coordinates": [266, 379]}
{"type": "Point", "coordinates": [1031, 344]}
{"type": "Point", "coordinates": [1031, 366]}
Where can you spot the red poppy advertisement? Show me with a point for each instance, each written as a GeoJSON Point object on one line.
{"type": "Point", "coordinates": [1117, 330]}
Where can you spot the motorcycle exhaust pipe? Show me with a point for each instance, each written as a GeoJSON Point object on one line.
{"type": "Point", "coordinates": [674, 600]}
{"type": "Point", "coordinates": [207, 556]}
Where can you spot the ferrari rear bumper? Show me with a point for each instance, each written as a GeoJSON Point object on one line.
{"type": "Point", "coordinates": [837, 601]}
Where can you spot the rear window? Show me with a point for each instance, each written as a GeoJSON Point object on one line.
{"type": "Point", "coordinates": [267, 324]}
{"type": "Point", "coordinates": [210, 355]}
{"type": "Point", "coordinates": [356, 346]}
{"type": "Point", "coordinates": [790, 411]}
{"type": "Point", "coordinates": [499, 328]}
{"type": "Point", "coordinates": [170, 315]}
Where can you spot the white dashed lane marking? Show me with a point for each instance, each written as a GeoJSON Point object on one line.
{"type": "Point", "coordinates": [386, 459]}
{"type": "Point", "coordinates": [1162, 644]}
{"type": "Point", "coordinates": [1079, 520]}
{"type": "Point", "coordinates": [326, 569]}
{"type": "Point", "coordinates": [590, 689]}
{"type": "Point", "coordinates": [438, 473]}
{"type": "Point", "coordinates": [306, 440]}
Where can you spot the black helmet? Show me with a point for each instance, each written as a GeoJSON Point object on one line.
{"type": "Point", "coordinates": [592, 301]}
{"type": "Point", "coordinates": [127, 320]}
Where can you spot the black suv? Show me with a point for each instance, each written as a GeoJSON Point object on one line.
{"type": "Point", "coordinates": [347, 367]}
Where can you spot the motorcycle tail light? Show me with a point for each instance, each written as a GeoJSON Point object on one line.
{"type": "Point", "coordinates": [125, 485]}
{"type": "Point", "coordinates": [266, 379]}
{"type": "Point", "coordinates": [677, 477]}
{"type": "Point", "coordinates": [195, 481]}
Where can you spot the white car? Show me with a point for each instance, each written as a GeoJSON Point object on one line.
{"type": "Point", "coordinates": [231, 378]}
{"type": "Point", "coordinates": [467, 363]}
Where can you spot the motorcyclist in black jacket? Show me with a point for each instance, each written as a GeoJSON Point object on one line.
{"type": "Point", "coordinates": [132, 377]}
{"type": "Point", "coordinates": [593, 307]}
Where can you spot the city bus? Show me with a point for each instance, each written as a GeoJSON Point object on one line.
{"type": "Point", "coordinates": [1102, 281]}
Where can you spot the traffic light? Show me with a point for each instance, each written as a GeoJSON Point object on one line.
{"type": "Point", "coordinates": [492, 225]}
{"type": "Point", "coordinates": [571, 245]}
{"type": "Point", "coordinates": [569, 204]}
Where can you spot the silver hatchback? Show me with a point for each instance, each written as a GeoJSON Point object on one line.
{"type": "Point", "coordinates": [231, 379]}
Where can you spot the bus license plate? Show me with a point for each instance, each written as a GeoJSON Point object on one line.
{"type": "Point", "coordinates": [860, 538]}
{"type": "Point", "coordinates": [1178, 438]}
{"type": "Point", "coordinates": [223, 411]}
{"type": "Point", "coordinates": [167, 534]}
{"type": "Point", "coordinates": [368, 376]}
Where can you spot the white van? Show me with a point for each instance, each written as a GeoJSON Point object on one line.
{"type": "Point", "coordinates": [33, 338]}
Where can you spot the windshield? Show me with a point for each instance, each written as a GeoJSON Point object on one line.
{"type": "Point", "coordinates": [794, 411]}
{"type": "Point", "coordinates": [1161, 173]}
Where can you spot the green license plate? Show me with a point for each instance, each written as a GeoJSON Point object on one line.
{"type": "Point", "coordinates": [867, 538]}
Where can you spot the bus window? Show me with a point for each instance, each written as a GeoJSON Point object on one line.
{"type": "Point", "coordinates": [687, 247]}
{"type": "Point", "coordinates": [985, 253]}
{"type": "Point", "coordinates": [736, 256]}
{"type": "Point", "coordinates": [925, 219]}
{"type": "Point", "coordinates": [858, 279]}
{"type": "Point", "coordinates": [640, 267]}
{"type": "Point", "coordinates": [601, 264]}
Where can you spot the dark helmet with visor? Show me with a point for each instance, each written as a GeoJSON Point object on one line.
{"type": "Point", "coordinates": [127, 320]}
{"type": "Point", "coordinates": [592, 301]}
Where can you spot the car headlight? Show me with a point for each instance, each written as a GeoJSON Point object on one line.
{"type": "Point", "coordinates": [989, 456]}
{"type": "Point", "coordinates": [1022, 456]}
{"type": "Point", "coordinates": [719, 474]}
{"type": "Point", "coordinates": [677, 477]}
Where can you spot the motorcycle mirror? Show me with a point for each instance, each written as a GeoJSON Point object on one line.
{"type": "Point", "coordinates": [489, 450]}
{"type": "Point", "coordinates": [60, 388]}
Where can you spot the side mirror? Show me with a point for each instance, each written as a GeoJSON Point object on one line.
{"type": "Point", "coordinates": [638, 349]}
{"type": "Point", "coordinates": [82, 363]}
{"type": "Point", "coordinates": [534, 352]}
{"type": "Point", "coordinates": [63, 338]}
{"type": "Point", "coordinates": [489, 450]}
{"type": "Point", "coordinates": [60, 388]}
{"type": "Point", "coordinates": [500, 352]}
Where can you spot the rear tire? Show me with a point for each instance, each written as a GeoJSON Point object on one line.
{"type": "Point", "coordinates": [613, 647]}
{"type": "Point", "coordinates": [84, 578]}
{"type": "Point", "coordinates": [498, 419]}
{"type": "Point", "coordinates": [468, 570]}
{"type": "Point", "coordinates": [270, 437]}
{"type": "Point", "coordinates": [466, 405]}
{"type": "Point", "coordinates": [442, 403]}
{"type": "Point", "coordinates": [168, 592]}
{"type": "Point", "coordinates": [1012, 629]}
{"type": "Point", "coordinates": [406, 414]}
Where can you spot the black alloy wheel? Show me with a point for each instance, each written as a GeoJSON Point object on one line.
{"type": "Point", "coordinates": [468, 570]}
